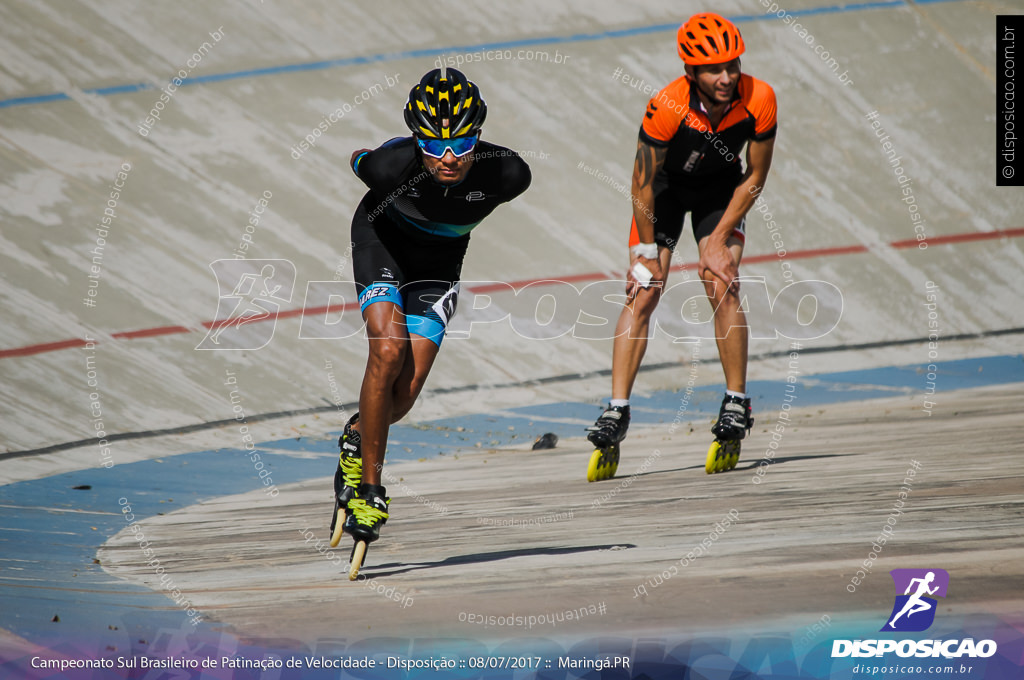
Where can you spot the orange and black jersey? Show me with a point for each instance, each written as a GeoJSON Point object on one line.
{"type": "Point", "coordinates": [676, 119]}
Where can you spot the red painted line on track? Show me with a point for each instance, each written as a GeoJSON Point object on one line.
{"type": "Point", "coordinates": [29, 350]}
{"type": "Point", "coordinates": [316, 311]}
{"type": "Point", "coordinates": [150, 332]}
{"type": "Point", "coordinates": [805, 254]}
{"type": "Point", "coordinates": [39, 349]}
{"type": "Point", "coordinates": [961, 238]}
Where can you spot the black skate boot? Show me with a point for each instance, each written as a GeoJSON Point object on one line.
{"type": "Point", "coordinates": [605, 434]}
{"type": "Point", "coordinates": [734, 419]}
{"type": "Point", "coordinates": [347, 476]}
{"type": "Point", "coordinates": [367, 513]}
{"type": "Point", "coordinates": [610, 428]}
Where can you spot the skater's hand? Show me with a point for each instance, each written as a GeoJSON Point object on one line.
{"type": "Point", "coordinates": [717, 260]}
{"type": "Point", "coordinates": [632, 285]}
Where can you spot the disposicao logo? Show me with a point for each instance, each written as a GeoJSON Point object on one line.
{"type": "Point", "coordinates": [914, 611]}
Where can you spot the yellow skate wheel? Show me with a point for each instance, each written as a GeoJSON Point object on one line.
{"type": "Point", "coordinates": [339, 525]}
{"type": "Point", "coordinates": [732, 456]}
{"type": "Point", "coordinates": [613, 462]}
{"type": "Point", "coordinates": [711, 462]}
{"type": "Point", "coordinates": [603, 464]}
{"type": "Point", "coordinates": [594, 467]}
{"type": "Point", "coordinates": [358, 555]}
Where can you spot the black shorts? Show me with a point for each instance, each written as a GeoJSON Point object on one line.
{"type": "Point", "coordinates": [705, 199]}
{"type": "Point", "coordinates": [419, 273]}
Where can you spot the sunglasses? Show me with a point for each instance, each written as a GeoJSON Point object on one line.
{"type": "Point", "coordinates": [437, 148]}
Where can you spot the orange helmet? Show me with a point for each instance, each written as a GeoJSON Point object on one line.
{"type": "Point", "coordinates": [709, 38]}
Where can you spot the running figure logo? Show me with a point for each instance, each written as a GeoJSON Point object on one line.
{"type": "Point", "coordinates": [914, 610]}
{"type": "Point", "coordinates": [250, 291]}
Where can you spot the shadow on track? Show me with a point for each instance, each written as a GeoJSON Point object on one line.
{"type": "Point", "coordinates": [753, 464]}
{"type": "Point", "coordinates": [378, 571]}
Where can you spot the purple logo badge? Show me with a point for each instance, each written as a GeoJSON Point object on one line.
{"type": "Point", "coordinates": [915, 605]}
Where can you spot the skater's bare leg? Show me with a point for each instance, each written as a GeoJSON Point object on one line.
{"type": "Point", "coordinates": [632, 329]}
{"type": "Point", "coordinates": [730, 322]}
{"type": "Point", "coordinates": [418, 361]}
{"type": "Point", "coordinates": [389, 347]}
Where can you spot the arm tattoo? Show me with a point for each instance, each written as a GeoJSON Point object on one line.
{"type": "Point", "coordinates": [649, 160]}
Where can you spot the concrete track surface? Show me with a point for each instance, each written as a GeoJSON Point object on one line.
{"type": "Point", "coordinates": [519, 533]}
{"type": "Point", "coordinates": [909, 352]}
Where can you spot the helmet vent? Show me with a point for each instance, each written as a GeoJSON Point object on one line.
{"type": "Point", "coordinates": [444, 106]}
{"type": "Point", "coordinates": [708, 38]}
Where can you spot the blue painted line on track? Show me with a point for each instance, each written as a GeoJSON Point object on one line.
{"type": "Point", "coordinates": [50, 532]}
{"type": "Point", "coordinates": [433, 52]}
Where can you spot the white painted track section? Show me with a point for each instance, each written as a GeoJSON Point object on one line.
{"type": "Point", "coordinates": [926, 68]}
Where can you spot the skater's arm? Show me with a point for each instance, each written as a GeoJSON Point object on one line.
{"type": "Point", "coordinates": [517, 175]}
{"type": "Point", "coordinates": [716, 256]}
{"type": "Point", "coordinates": [649, 160]}
{"type": "Point", "coordinates": [360, 155]}
{"type": "Point", "coordinates": [386, 168]}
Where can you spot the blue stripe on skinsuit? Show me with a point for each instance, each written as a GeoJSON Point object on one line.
{"type": "Point", "coordinates": [428, 328]}
{"type": "Point", "coordinates": [379, 292]}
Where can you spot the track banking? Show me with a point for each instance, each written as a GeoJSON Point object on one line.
{"type": "Point", "coordinates": [171, 88]}
{"type": "Point", "coordinates": [328, 121]}
{"type": "Point", "coordinates": [805, 35]}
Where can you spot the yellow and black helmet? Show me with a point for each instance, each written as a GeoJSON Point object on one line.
{"type": "Point", "coordinates": [443, 106]}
